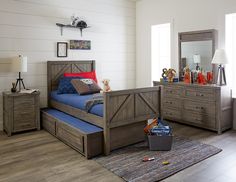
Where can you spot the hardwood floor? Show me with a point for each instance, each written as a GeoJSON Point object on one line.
{"type": "Point", "coordinates": [38, 156]}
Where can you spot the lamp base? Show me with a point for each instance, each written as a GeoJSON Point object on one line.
{"type": "Point", "coordinates": [221, 79]}
{"type": "Point", "coordinates": [19, 81]}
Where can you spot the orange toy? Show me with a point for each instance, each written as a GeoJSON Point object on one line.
{"type": "Point", "coordinates": [150, 126]}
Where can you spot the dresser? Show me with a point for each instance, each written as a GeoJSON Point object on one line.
{"type": "Point", "coordinates": [205, 106]}
{"type": "Point", "coordinates": [20, 112]}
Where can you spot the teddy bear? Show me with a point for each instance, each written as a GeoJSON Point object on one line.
{"type": "Point", "coordinates": [106, 86]}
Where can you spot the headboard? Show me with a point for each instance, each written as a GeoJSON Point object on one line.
{"type": "Point", "coordinates": [56, 69]}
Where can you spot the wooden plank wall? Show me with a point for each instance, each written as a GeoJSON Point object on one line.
{"type": "Point", "coordinates": [28, 27]}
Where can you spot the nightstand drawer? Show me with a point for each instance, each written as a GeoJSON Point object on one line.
{"type": "Point", "coordinates": [24, 103]}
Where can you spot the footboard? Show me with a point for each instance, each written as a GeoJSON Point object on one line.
{"type": "Point", "coordinates": [126, 113]}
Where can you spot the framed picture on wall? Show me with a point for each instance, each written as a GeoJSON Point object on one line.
{"type": "Point", "coordinates": [62, 48]}
{"type": "Point", "coordinates": [80, 44]}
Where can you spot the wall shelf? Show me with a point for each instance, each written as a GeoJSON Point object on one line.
{"type": "Point", "coordinates": [70, 26]}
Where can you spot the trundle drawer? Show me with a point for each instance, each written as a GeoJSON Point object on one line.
{"type": "Point", "coordinates": [203, 108]}
{"type": "Point", "coordinates": [70, 136]}
{"type": "Point", "coordinates": [202, 94]}
{"type": "Point", "coordinates": [49, 123]}
{"type": "Point", "coordinates": [199, 120]}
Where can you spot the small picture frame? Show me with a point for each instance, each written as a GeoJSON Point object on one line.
{"type": "Point", "coordinates": [62, 48]}
{"type": "Point", "coordinates": [80, 44]}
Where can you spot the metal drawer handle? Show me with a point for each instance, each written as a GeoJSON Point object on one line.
{"type": "Point", "coordinates": [168, 102]}
{"type": "Point", "coordinates": [196, 119]}
{"type": "Point", "coordinates": [199, 107]}
{"type": "Point", "coordinates": [201, 95]}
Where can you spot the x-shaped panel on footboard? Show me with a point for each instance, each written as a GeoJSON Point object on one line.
{"type": "Point", "coordinates": [130, 106]}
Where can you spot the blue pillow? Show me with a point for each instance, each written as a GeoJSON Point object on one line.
{"type": "Point", "coordinates": [65, 86]}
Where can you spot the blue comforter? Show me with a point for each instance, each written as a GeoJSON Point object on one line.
{"type": "Point", "coordinates": [78, 101]}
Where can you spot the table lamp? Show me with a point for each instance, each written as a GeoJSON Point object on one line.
{"type": "Point", "coordinates": [220, 59]}
{"type": "Point", "coordinates": [197, 60]}
{"type": "Point", "coordinates": [19, 64]}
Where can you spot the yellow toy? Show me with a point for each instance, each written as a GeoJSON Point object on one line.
{"type": "Point", "coordinates": [168, 74]}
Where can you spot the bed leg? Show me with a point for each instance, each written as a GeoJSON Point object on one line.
{"type": "Point", "coordinates": [107, 141]}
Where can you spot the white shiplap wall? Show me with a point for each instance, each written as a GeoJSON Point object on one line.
{"type": "Point", "coordinates": [28, 27]}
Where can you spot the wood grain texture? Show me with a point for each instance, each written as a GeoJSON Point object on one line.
{"type": "Point", "coordinates": [38, 156]}
{"type": "Point", "coordinates": [28, 27]}
{"type": "Point", "coordinates": [21, 112]}
{"type": "Point", "coordinates": [122, 108]}
{"type": "Point", "coordinates": [208, 106]}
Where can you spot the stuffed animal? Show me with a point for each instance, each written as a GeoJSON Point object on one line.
{"type": "Point", "coordinates": [106, 86]}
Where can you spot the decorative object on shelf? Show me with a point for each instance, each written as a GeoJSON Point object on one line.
{"type": "Point", "coordinates": [201, 78]}
{"type": "Point", "coordinates": [209, 77]}
{"type": "Point", "coordinates": [106, 85]}
{"type": "Point", "coordinates": [187, 75]}
{"type": "Point", "coordinates": [197, 60]}
{"type": "Point", "coordinates": [220, 59]}
{"type": "Point", "coordinates": [13, 89]}
{"type": "Point", "coordinates": [75, 23]}
{"type": "Point", "coordinates": [168, 75]}
{"type": "Point", "coordinates": [19, 64]}
{"type": "Point", "coordinates": [80, 44]}
{"type": "Point", "coordinates": [62, 48]}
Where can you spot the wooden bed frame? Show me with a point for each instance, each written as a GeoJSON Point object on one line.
{"type": "Point", "coordinates": [125, 112]}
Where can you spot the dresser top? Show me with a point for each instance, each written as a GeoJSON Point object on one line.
{"type": "Point", "coordinates": [190, 84]}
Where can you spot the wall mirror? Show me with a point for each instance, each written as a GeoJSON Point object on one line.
{"type": "Point", "coordinates": [196, 50]}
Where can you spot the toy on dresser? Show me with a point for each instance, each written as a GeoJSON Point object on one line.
{"type": "Point", "coordinates": [168, 74]}
{"type": "Point", "coordinates": [106, 85]}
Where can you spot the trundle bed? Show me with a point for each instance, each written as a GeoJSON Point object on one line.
{"type": "Point", "coordinates": [121, 117]}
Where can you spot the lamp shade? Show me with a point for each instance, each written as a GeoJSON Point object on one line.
{"type": "Point", "coordinates": [220, 57]}
{"type": "Point", "coordinates": [196, 58]}
{"type": "Point", "coordinates": [19, 64]}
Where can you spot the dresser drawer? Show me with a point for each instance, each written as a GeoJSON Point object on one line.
{"type": "Point", "coordinates": [171, 114]}
{"type": "Point", "coordinates": [172, 103]}
{"type": "Point", "coordinates": [199, 120]}
{"type": "Point", "coordinates": [203, 108]}
{"type": "Point", "coordinates": [172, 91]}
{"type": "Point", "coordinates": [24, 102]}
{"type": "Point", "coordinates": [201, 94]}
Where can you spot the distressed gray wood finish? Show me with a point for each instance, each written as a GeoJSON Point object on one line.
{"type": "Point", "coordinates": [20, 112]}
{"type": "Point", "coordinates": [206, 106]}
{"type": "Point", "coordinates": [125, 111]}
{"type": "Point", "coordinates": [201, 35]}
{"type": "Point", "coordinates": [88, 145]}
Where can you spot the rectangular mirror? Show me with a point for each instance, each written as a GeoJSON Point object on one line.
{"type": "Point", "coordinates": [196, 50]}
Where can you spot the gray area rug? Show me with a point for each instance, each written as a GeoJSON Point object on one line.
{"type": "Point", "coordinates": [127, 162]}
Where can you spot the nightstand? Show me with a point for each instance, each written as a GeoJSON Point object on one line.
{"type": "Point", "coordinates": [21, 112]}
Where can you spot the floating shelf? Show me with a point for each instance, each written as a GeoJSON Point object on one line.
{"type": "Point", "coordinates": [70, 26]}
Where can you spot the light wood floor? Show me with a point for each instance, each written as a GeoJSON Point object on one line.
{"type": "Point", "coordinates": [38, 156]}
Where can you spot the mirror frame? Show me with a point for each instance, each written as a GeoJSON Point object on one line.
{"type": "Point", "coordinates": [201, 35]}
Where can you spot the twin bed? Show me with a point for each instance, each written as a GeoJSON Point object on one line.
{"type": "Point", "coordinates": [122, 116]}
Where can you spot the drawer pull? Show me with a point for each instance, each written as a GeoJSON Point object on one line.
{"type": "Point", "coordinates": [201, 95]}
{"type": "Point", "coordinates": [196, 119]}
{"type": "Point", "coordinates": [199, 107]}
{"type": "Point", "coordinates": [168, 102]}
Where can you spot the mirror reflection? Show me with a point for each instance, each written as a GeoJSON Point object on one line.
{"type": "Point", "coordinates": [197, 55]}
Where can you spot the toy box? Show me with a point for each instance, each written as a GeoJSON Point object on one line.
{"type": "Point", "coordinates": [161, 143]}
